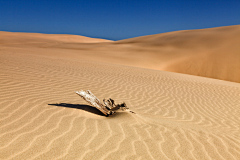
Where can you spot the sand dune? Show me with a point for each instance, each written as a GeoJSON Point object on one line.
{"type": "Point", "coordinates": [178, 116]}
{"type": "Point", "coordinates": [213, 52]}
{"type": "Point", "coordinates": [210, 52]}
{"type": "Point", "coordinates": [29, 38]}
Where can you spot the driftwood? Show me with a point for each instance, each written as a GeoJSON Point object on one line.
{"type": "Point", "coordinates": [108, 107]}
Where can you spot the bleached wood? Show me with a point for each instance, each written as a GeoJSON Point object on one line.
{"type": "Point", "coordinates": [108, 109]}
{"type": "Point", "coordinates": [94, 101]}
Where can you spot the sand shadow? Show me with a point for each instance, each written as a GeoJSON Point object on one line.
{"type": "Point", "coordinates": [80, 106]}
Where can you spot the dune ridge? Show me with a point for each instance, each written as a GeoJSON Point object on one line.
{"type": "Point", "coordinates": [26, 38]}
{"type": "Point", "coordinates": [212, 52]}
{"type": "Point", "coordinates": [177, 116]}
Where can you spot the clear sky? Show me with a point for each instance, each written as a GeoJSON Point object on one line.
{"type": "Point", "coordinates": [115, 19]}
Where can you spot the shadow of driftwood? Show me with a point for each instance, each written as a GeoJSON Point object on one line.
{"type": "Point", "coordinates": [80, 106]}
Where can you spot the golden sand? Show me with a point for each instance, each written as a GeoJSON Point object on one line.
{"type": "Point", "coordinates": [178, 116]}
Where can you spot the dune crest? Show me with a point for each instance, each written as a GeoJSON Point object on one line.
{"type": "Point", "coordinates": [25, 38]}
{"type": "Point", "coordinates": [212, 52]}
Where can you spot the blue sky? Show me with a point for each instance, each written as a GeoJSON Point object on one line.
{"type": "Point", "coordinates": [115, 19]}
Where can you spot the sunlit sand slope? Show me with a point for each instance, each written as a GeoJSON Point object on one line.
{"type": "Point", "coordinates": [7, 38]}
{"type": "Point", "coordinates": [177, 116]}
{"type": "Point", "coordinates": [213, 52]}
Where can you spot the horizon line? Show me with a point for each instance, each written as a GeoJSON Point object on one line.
{"type": "Point", "coordinates": [115, 40]}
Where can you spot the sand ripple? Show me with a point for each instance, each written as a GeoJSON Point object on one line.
{"type": "Point", "coordinates": [178, 116]}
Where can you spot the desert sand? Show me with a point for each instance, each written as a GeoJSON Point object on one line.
{"type": "Point", "coordinates": [178, 116]}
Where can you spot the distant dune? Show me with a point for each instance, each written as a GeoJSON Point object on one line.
{"type": "Point", "coordinates": [178, 116]}
{"type": "Point", "coordinates": [22, 38]}
{"type": "Point", "coordinates": [213, 52]}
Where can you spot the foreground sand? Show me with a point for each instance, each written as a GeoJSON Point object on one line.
{"type": "Point", "coordinates": [178, 116]}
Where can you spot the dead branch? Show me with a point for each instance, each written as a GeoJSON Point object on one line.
{"type": "Point", "coordinates": [107, 108]}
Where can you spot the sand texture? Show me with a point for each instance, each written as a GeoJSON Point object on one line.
{"type": "Point", "coordinates": [178, 116]}
{"type": "Point", "coordinates": [212, 52]}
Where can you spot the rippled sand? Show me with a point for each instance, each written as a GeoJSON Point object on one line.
{"type": "Point", "coordinates": [178, 116]}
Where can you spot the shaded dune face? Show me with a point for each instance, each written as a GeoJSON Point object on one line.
{"type": "Point", "coordinates": [213, 52]}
